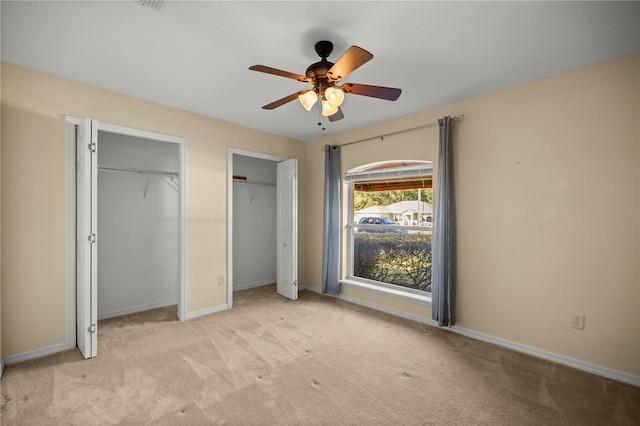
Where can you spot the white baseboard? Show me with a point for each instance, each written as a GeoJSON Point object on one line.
{"type": "Point", "coordinates": [396, 312]}
{"type": "Point", "coordinates": [35, 353]}
{"type": "Point", "coordinates": [310, 288]}
{"type": "Point", "coordinates": [589, 367]}
{"type": "Point", "coordinates": [207, 311]}
{"type": "Point", "coordinates": [600, 370]}
{"type": "Point", "coordinates": [247, 286]}
{"type": "Point", "coordinates": [60, 347]}
{"type": "Point", "coordinates": [138, 308]}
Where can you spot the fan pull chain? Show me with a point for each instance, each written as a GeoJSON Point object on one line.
{"type": "Point", "coordinates": [321, 122]}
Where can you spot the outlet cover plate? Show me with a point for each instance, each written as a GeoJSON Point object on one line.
{"type": "Point", "coordinates": [577, 322]}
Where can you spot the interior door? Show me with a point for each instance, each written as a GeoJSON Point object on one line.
{"type": "Point", "coordinates": [287, 229]}
{"type": "Point", "coordinates": [86, 234]}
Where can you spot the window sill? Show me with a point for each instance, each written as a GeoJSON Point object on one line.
{"type": "Point", "coordinates": [392, 292]}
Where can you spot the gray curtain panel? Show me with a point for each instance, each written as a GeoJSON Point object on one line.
{"type": "Point", "coordinates": [443, 267]}
{"type": "Point", "coordinates": [331, 224]}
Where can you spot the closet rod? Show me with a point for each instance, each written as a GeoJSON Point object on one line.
{"type": "Point", "coordinates": [110, 168]}
{"type": "Point", "coordinates": [254, 182]}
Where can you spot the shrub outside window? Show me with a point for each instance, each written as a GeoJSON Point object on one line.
{"type": "Point", "coordinates": [390, 224]}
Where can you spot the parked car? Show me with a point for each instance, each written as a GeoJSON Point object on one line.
{"type": "Point", "coordinates": [375, 220]}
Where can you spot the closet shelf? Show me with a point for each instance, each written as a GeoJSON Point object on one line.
{"type": "Point", "coordinates": [111, 168]}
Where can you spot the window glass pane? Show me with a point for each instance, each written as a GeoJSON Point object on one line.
{"type": "Point", "coordinates": [393, 257]}
{"type": "Point", "coordinates": [409, 207]}
{"type": "Point", "coordinates": [391, 236]}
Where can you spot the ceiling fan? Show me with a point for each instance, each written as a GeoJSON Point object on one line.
{"type": "Point", "coordinates": [324, 76]}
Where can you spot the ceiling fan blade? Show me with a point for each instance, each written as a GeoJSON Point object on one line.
{"type": "Point", "coordinates": [352, 59]}
{"type": "Point", "coordinates": [337, 116]}
{"type": "Point", "coordinates": [274, 71]}
{"type": "Point", "coordinates": [286, 99]}
{"type": "Point", "coordinates": [388, 93]}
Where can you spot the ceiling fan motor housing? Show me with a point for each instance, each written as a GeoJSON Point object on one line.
{"type": "Point", "coordinates": [317, 72]}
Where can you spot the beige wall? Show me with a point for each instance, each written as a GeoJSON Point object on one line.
{"type": "Point", "coordinates": [34, 106]}
{"type": "Point", "coordinates": [539, 168]}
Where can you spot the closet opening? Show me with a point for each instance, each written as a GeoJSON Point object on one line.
{"type": "Point", "coordinates": [262, 223]}
{"type": "Point", "coordinates": [125, 219]}
{"type": "Point", "coordinates": [138, 224]}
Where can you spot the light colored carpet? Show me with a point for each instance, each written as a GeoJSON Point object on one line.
{"type": "Point", "coordinates": [317, 360]}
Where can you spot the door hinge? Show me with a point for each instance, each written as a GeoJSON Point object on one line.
{"type": "Point", "coordinates": [91, 328]}
{"type": "Point", "coordinates": [295, 175]}
{"type": "Point", "coordinates": [295, 282]}
{"type": "Point", "coordinates": [92, 238]}
{"type": "Point", "coordinates": [92, 147]}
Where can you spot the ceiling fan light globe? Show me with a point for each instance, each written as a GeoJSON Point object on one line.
{"type": "Point", "coordinates": [308, 99]}
{"type": "Point", "coordinates": [327, 109]}
{"type": "Point", "coordinates": [335, 96]}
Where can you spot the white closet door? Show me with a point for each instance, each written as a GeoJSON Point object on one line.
{"type": "Point", "coordinates": [86, 245]}
{"type": "Point", "coordinates": [287, 223]}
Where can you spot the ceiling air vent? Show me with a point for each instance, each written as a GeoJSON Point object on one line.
{"type": "Point", "coordinates": [156, 4]}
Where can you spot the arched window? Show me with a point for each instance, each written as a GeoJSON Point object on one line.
{"type": "Point", "coordinates": [390, 223]}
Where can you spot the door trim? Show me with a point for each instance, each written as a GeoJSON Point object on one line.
{"type": "Point", "coordinates": [70, 199]}
{"type": "Point", "coordinates": [230, 153]}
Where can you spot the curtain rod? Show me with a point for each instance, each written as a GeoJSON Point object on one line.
{"type": "Point", "coordinates": [454, 120]}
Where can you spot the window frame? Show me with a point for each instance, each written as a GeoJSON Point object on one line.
{"type": "Point", "coordinates": [395, 290]}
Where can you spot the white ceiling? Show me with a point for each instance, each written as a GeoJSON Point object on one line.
{"type": "Point", "coordinates": [195, 55]}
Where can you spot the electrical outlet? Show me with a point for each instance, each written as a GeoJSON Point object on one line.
{"type": "Point", "coordinates": [221, 280]}
{"type": "Point", "coordinates": [578, 322]}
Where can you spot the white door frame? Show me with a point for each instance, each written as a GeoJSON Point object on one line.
{"type": "Point", "coordinates": [70, 183]}
{"type": "Point", "coordinates": [230, 153]}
